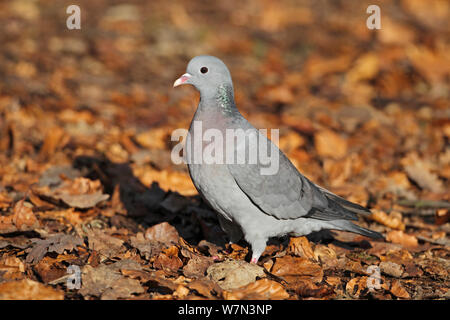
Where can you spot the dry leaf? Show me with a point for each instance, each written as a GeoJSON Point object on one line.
{"type": "Point", "coordinates": [206, 287]}
{"type": "Point", "coordinates": [168, 260]}
{"type": "Point", "coordinates": [57, 243]}
{"type": "Point", "coordinates": [391, 268]}
{"type": "Point", "coordinates": [27, 289]}
{"type": "Point", "coordinates": [108, 283]}
{"type": "Point", "coordinates": [393, 220]}
{"type": "Point", "coordinates": [301, 247]}
{"type": "Point", "coordinates": [398, 290]}
{"type": "Point", "coordinates": [162, 232]}
{"type": "Point", "coordinates": [197, 266]}
{"type": "Point", "coordinates": [355, 286]}
{"type": "Point", "coordinates": [290, 267]}
{"type": "Point", "coordinates": [420, 171]}
{"type": "Point", "coordinates": [263, 289]}
{"type": "Point", "coordinates": [402, 238]}
{"type": "Point", "coordinates": [148, 248]}
{"type": "Point", "coordinates": [23, 219]}
{"type": "Point", "coordinates": [106, 245]}
{"type": "Point", "coordinates": [329, 144]}
{"type": "Point", "coordinates": [233, 274]}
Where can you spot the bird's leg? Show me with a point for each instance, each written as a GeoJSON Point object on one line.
{"type": "Point", "coordinates": [258, 246]}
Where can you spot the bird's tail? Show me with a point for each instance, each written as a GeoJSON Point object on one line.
{"type": "Point", "coordinates": [345, 225]}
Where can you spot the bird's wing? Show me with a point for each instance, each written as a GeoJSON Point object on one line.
{"type": "Point", "coordinates": [286, 194]}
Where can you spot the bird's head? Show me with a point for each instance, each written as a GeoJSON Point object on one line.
{"type": "Point", "coordinates": [206, 74]}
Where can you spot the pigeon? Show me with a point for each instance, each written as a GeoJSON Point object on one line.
{"type": "Point", "coordinates": [250, 203]}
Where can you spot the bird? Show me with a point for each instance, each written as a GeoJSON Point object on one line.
{"type": "Point", "coordinates": [250, 203]}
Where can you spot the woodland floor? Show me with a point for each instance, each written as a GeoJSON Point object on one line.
{"type": "Point", "coordinates": [86, 116]}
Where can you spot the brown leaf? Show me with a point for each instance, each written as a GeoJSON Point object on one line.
{"type": "Point", "coordinates": [402, 238]}
{"type": "Point", "coordinates": [197, 266]}
{"type": "Point", "coordinates": [50, 269]}
{"type": "Point", "coordinates": [391, 268]}
{"type": "Point", "coordinates": [155, 138]}
{"type": "Point", "coordinates": [148, 248]}
{"type": "Point", "coordinates": [79, 193]}
{"type": "Point", "coordinates": [263, 289]}
{"type": "Point", "coordinates": [206, 287]}
{"type": "Point", "coordinates": [23, 219]}
{"type": "Point", "coordinates": [56, 138]}
{"type": "Point", "coordinates": [398, 290]}
{"type": "Point", "coordinates": [11, 268]}
{"type": "Point", "coordinates": [105, 244]}
{"type": "Point", "coordinates": [306, 288]}
{"type": "Point", "coordinates": [291, 268]}
{"type": "Point", "coordinates": [329, 144]}
{"type": "Point", "coordinates": [233, 274]}
{"type": "Point", "coordinates": [84, 201]}
{"type": "Point", "coordinates": [325, 254]}
{"type": "Point", "coordinates": [108, 283]}
{"type": "Point", "coordinates": [301, 247]}
{"type": "Point", "coordinates": [168, 260]}
{"type": "Point", "coordinates": [393, 220]}
{"type": "Point", "coordinates": [355, 286]}
{"type": "Point", "coordinates": [57, 243]}
{"type": "Point", "coordinates": [420, 171]}
{"type": "Point", "coordinates": [162, 232]}
{"type": "Point", "coordinates": [27, 289]}
{"type": "Point", "coordinates": [5, 201]}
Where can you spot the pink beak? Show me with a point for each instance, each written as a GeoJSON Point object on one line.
{"type": "Point", "coordinates": [181, 80]}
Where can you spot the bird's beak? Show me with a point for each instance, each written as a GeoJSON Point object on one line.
{"type": "Point", "coordinates": [181, 80]}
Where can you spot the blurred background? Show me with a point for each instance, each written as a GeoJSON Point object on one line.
{"type": "Point", "coordinates": [356, 107]}
{"type": "Point", "coordinates": [86, 117]}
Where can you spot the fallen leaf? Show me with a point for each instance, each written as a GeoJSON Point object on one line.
{"type": "Point", "coordinates": [108, 283]}
{"type": "Point", "coordinates": [50, 269]}
{"type": "Point", "coordinates": [148, 248]}
{"type": "Point", "coordinates": [105, 244]}
{"type": "Point", "coordinates": [306, 288]}
{"type": "Point", "coordinates": [57, 243]}
{"type": "Point", "coordinates": [233, 274]}
{"type": "Point", "coordinates": [27, 289]}
{"type": "Point", "coordinates": [301, 247]}
{"type": "Point", "coordinates": [206, 287]}
{"type": "Point", "coordinates": [294, 268]}
{"type": "Point", "coordinates": [393, 220]}
{"type": "Point", "coordinates": [355, 286]}
{"type": "Point", "coordinates": [325, 254]}
{"type": "Point", "coordinates": [11, 268]}
{"type": "Point", "coordinates": [399, 237]}
{"type": "Point", "coordinates": [162, 232]}
{"type": "Point", "coordinates": [197, 266]}
{"type": "Point", "coordinates": [22, 219]}
{"type": "Point", "coordinates": [420, 172]}
{"type": "Point", "coordinates": [398, 290]}
{"type": "Point", "coordinates": [168, 260]}
{"type": "Point", "coordinates": [392, 269]}
{"type": "Point", "coordinates": [263, 289]}
{"type": "Point", "coordinates": [330, 144]}
{"type": "Point", "coordinates": [80, 193]}
{"type": "Point", "coordinates": [56, 138]}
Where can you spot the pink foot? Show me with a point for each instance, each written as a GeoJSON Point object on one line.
{"type": "Point", "coordinates": [254, 260]}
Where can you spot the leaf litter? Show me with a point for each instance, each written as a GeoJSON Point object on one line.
{"type": "Point", "coordinates": [86, 178]}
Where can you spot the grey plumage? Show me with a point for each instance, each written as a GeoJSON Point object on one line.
{"type": "Point", "coordinates": [251, 204]}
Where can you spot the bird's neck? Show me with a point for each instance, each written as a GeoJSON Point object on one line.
{"type": "Point", "coordinates": [222, 98]}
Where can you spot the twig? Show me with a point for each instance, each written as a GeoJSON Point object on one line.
{"type": "Point", "coordinates": [424, 204]}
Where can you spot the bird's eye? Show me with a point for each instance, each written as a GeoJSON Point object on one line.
{"type": "Point", "coordinates": [204, 70]}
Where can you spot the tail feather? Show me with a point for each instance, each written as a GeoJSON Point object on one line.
{"type": "Point", "coordinates": [345, 225]}
{"type": "Point", "coordinates": [350, 206]}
